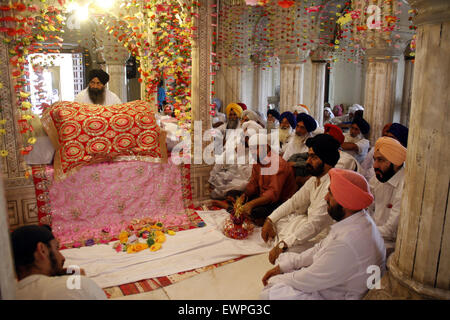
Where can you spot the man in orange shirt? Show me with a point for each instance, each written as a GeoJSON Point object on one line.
{"type": "Point", "coordinates": [266, 192]}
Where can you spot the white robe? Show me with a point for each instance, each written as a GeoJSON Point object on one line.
{"type": "Point", "coordinates": [303, 220]}
{"type": "Point", "coordinates": [296, 145]}
{"type": "Point", "coordinates": [41, 287]}
{"type": "Point", "coordinates": [385, 210]}
{"type": "Point", "coordinates": [340, 267]}
{"type": "Point", "coordinates": [346, 161]}
{"type": "Point", "coordinates": [362, 143]}
{"type": "Point", "coordinates": [110, 98]}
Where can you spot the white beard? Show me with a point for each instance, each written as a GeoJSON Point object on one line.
{"type": "Point", "coordinates": [349, 138]}
{"type": "Point", "coordinates": [284, 134]}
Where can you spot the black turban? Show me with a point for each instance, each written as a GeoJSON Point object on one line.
{"type": "Point", "coordinates": [400, 132]}
{"type": "Point", "coordinates": [362, 124]}
{"type": "Point", "coordinates": [100, 74]}
{"type": "Point", "coordinates": [24, 241]}
{"type": "Point", "coordinates": [309, 122]}
{"type": "Point", "coordinates": [325, 147]}
{"type": "Point", "coordinates": [274, 113]}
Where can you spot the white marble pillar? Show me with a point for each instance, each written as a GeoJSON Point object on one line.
{"type": "Point", "coordinates": [318, 89]}
{"type": "Point", "coordinates": [256, 88]}
{"type": "Point", "coordinates": [229, 84]}
{"type": "Point", "coordinates": [291, 80]}
{"type": "Point", "coordinates": [7, 273]}
{"type": "Point", "coordinates": [379, 90]}
{"type": "Point", "coordinates": [420, 265]}
{"type": "Point", "coordinates": [116, 59]}
{"type": "Point", "coordinates": [407, 92]}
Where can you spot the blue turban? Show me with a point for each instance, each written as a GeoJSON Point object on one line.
{"type": "Point", "coordinates": [290, 117]}
{"type": "Point", "coordinates": [274, 113]}
{"type": "Point", "coordinates": [400, 132]}
{"type": "Point", "coordinates": [362, 124]}
{"type": "Point", "coordinates": [309, 122]}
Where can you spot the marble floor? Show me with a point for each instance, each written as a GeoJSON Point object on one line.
{"type": "Point", "coordinates": [240, 280]}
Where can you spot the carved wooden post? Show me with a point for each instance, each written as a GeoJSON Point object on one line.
{"type": "Point", "coordinates": [420, 265]}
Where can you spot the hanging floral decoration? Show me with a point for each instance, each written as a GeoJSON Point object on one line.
{"type": "Point", "coordinates": [159, 34]}
{"type": "Point", "coordinates": [24, 28]}
{"type": "Point", "coordinates": [257, 31]}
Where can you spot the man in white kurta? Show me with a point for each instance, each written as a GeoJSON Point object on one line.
{"type": "Point", "coordinates": [340, 266]}
{"type": "Point", "coordinates": [303, 131]}
{"type": "Point", "coordinates": [355, 143]}
{"type": "Point", "coordinates": [303, 220]}
{"type": "Point", "coordinates": [387, 187]}
{"type": "Point", "coordinates": [346, 161]}
{"type": "Point", "coordinates": [96, 92]}
{"type": "Point", "coordinates": [39, 268]}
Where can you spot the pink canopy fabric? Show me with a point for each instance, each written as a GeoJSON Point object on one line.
{"type": "Point", "coordinates": [100, 200]}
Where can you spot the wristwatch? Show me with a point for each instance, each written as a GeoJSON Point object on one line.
{"type": "Point", "coordinates": [283, 246]}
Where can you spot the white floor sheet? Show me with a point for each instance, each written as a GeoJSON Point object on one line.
{"type": "Point", "coordinates": [184, 251]}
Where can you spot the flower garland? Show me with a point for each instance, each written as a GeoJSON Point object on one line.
{"type": "Point", "coordinates": [159, 34]}
{"type": "Point", "coordinates": [304, 25]}
{"type": "Point", "coordinates": [23, 27]}
{"type": "Point", "coordinates": [153, 235]}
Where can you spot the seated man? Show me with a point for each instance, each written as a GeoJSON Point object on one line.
{"type": "Point", "coordinates": [234, 170]}
{"type": "Point", "coordinates": [346, 161]}
{"type": "Point", "coordinates": [273, 120]}
{"type": "Point", "coordinates": [367, 163]}
{"type": "Point", "coordinates": [234, 113]}
{"type": "Point", "coordinates": [266, 192]}
{"type": "Point", "coordinates": [355, 143]}
{"type": "Point", "coordinates": [303, 220]}
{"type": "Point", "coordinates": [344, 121]}
{"type": "Point", "coordinates": [39, 268]}
{"type": "Point", "coordinates": [337, 267]}
{"type": "Point", "coordinates": [327, 115]}
{"type": "Point", "coordinates": [287, 125]}
{"type": "Point", "coordinates": [248, 115]}
{"type": "Point", "coordinates": [96, 92]}
{"type": "Point", "coordinates": [387, 187]}
{"type": "Point", "coordinates": [305, 126]}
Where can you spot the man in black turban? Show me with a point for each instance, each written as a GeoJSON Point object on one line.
{"type": "Point", "coordinates": [355, 143]}
{"type": "Point", "coordinates": [299, 222]}
{"type": "Point", "coordinates": [96, 92]}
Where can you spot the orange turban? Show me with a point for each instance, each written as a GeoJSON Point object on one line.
{"type": "Point", "coordinates": [350, 189]}
{"type": "Point", "coordinates": [236, 108]}
{"type": "Point", "coordinates": [391, 149]}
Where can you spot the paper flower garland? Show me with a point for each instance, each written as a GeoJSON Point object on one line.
{"type": "Point", "coordinates": [159, 34]}
{"type": "Point", "coordinates": [23, 28]}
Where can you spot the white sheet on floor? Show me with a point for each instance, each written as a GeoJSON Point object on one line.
{"type": "Point", "coordinates": [184, 251]}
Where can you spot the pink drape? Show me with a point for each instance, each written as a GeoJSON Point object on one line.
{"type": "Point", "coordinates": [102, 199]}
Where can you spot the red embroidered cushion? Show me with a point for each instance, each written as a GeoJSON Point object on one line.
{"type": "Point", "coordinates": [86, 133]}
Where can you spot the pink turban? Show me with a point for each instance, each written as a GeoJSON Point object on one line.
{"type": "Point", "coordinates": [391, 149]}
{"type": "Point", "coordinates": [350, 189]}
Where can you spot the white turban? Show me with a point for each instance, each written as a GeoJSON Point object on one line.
{"type": "Point", "coordinates": [251, 124]}
{"type": "Point", "coordinates": [330, 112]}
{"type": "Point", "coordinates": [300, 109]}
{"type": "Point", "coordinates": [354, 108]}
{"type": "Point", "coordinates": [252, 115]}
